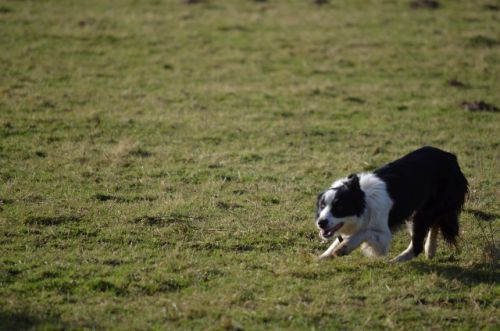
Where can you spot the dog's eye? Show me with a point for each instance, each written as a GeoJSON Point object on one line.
{"type": "Point", "coordinates": [322, 205]}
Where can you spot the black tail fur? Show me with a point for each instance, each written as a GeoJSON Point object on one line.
{"type": "Point", "coordinates": [456, 189]}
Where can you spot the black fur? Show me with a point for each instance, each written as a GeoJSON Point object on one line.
{"type": "Point", "coordinates": [428, 185]}
{"type": "Point", "coordinates": [349, 199]}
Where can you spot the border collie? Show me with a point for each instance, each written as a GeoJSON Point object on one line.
{"type": "Point", "coordinates": [425, 188]}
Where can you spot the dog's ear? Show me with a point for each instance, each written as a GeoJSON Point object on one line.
{"type": "Point", "coordinates": [353, 181]}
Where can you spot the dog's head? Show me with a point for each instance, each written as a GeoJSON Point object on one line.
{"type": "Point", "coordinates": [340, 207]}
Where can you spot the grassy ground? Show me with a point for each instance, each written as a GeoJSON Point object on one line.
{"type": "Point", "coordinates": [159, 161]}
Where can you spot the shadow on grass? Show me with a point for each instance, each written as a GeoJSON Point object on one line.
{"type": "Point", "coordinates": [25, 321]}
{"type": "Point", "coordinates": [483, 216]}
{"type": "Point", "coordinates": [479, 273]}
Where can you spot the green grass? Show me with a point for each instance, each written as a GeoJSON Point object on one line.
{"type": "Point", "coordinates": [159, 161]}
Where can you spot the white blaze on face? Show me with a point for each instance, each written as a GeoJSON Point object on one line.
{"type": "Point", "coordinates": [334, 224]}
{"type": "Point", "coordinates": [327, 199]}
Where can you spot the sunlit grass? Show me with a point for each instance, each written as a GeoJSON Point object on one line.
{"type": "Point", "coordinates": [160, 161]}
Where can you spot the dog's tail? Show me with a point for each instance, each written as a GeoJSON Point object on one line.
{"type": "Point", "coordinates": [455, 192]}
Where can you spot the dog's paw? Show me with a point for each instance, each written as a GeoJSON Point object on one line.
{"type": "Point", "coordinates": [341, 251]}
{"type": "Point", "coordinates": [405, 256]}
{"type": "Point", "coordinates": [394, 261]}
{"type": "Point", "coordinates": [323, 257]}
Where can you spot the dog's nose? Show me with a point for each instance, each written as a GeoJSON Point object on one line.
{"type": "Point", "coordinates": [322, 223]}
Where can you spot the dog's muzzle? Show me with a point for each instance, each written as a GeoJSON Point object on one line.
{"type": "Point", "coordinates": [327, 233]}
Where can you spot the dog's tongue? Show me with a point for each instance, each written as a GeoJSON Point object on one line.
{"type": "Point", "coordinates": [326, 233]}
{"type": "Point", "coordinates": [330, 232]}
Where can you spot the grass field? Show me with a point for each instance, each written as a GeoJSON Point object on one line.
{"type": "Point", "coordinates": [159, 161]}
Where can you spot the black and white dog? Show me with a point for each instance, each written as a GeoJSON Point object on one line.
{"type": "Point", "coordinates": [425, 188]}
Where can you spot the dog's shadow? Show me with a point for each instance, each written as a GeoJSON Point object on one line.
{"type": "Point", "coordinates": [26, 321]}
{"type": "Point", "coordinates": [478, 273]}
{"type": "Point", "coordinates": [483, 216]}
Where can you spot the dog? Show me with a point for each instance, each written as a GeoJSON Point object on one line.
{"type": "Point", "coordinates": [425, 189]}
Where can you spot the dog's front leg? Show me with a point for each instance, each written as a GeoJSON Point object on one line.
{"type": "Point", "coordinates": [329, 251]}
{"type": "Point", "coordinates": [351, 243]}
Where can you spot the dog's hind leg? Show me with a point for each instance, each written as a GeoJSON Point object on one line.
{"type": "Point", "coordinates": [419, 228]}
{"type": "Point", "coordinates": [406, 255]}
{"type": "Point", "coordinates": [431, 242]}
